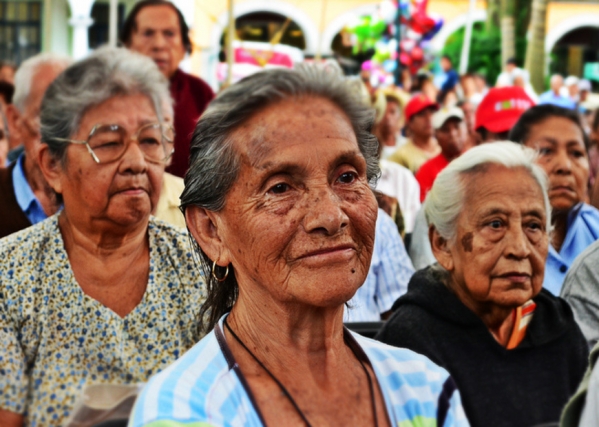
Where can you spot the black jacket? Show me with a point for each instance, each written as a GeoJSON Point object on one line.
{"type": "Point", "coordinates": [523, 387]}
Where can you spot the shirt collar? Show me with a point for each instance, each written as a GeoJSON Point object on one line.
{"type": "Point", "coordinates": [23, 192]}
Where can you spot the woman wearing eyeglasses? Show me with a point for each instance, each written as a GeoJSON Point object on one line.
{"type": "Point", "coordinates": [100, 292]}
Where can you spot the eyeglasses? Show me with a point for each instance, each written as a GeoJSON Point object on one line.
{"type": "Point", "coordinates": [108, 143]}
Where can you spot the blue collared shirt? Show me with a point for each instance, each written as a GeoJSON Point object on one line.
{"type": "Point", "coordinates": [388, 277]}
{"type": "Point", "coordinates": [24, 194]}
{"type": "Point", "coordinates": [561, 101]}
{"type": "Point", "coordinates": [582, 230]}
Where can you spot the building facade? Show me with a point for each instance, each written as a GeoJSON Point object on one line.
{"type": "Point", "coordinates": [73, 27]}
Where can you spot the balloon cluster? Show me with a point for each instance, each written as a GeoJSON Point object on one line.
{"type": "Point", "coordinates": [377, 32]}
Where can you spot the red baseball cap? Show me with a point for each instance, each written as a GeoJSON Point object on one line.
{"type": "Point", "coordinates": [501, 108]}
{"type": "Point", "coordinates": [417, 104]}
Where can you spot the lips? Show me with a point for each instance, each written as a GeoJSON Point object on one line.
{"type": "Point", "coordinates": [516, 276]}
{"type": "Point", "coordinates": [132, 190]}
{"type": "Point", "coordinates": [327, 250]}
{"type": "Point", "coordinates": [161, 62]}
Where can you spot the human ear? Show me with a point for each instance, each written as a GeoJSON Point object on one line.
{"type": "Point", "coordinates": [50, 167]}
{"type": "Point", "coordinates": [203, 225]}
{"type": "Point", "coordinates": [441, 249]}
{"type": "Point", "coordinates": [13, 120]}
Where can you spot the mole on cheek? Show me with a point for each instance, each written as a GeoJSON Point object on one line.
{"type": "Point", "coordinates": [467, 241]}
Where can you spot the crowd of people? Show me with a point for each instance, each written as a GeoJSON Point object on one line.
{"type": "Point", "coordinates": [224, 249]}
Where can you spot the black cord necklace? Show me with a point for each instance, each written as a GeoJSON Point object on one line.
{"type": "Point", "coordinates": [286, 392]}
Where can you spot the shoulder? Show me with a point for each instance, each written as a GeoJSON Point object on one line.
{"type": "Point", "coordinates": [395, 167]}
{"type": "Point", "coordinates": [173, 184]}
{"type": "Point", "coordinates": [582, 272]}
{"type": "Point", "coordinates": [198, 85]}
{"type": "Point", "coordinates": [182, 391]}
{"type": "Point", "coordinates": [25, 243]}
{"type": "Point", "coordinates": [401, 359]}
{"type": "Point", "coordinates": [590, 215]}
{"type": "Point", "coordinates": [162, 232]}
{"type": "Point", "coordinates": [417, 388]}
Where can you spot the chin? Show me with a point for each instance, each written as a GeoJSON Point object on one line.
{"type": "Point", "coordinates": [330, 292]}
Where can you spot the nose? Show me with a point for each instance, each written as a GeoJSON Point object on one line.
{"type": "Point", "coordinates": [133, 160]}
{"type": "Point", "coordinates": [324, 213]}
{"type": "Point", "coordinates": [562, 163]}
{"type": "Point", "coordinates": [158, 41]}
{"type": "Point", "coordinates": [517, 243]}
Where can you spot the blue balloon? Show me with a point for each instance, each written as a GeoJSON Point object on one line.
{"type": "Point", "coordinates": [390, 65]}
{"type": "Point", "coordinates": [432, 33]}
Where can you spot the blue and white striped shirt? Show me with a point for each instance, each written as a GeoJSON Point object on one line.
{"type": "Point", "coordinates": [388, 277]}
{"type": "Point", "coordinates": [206, 388]}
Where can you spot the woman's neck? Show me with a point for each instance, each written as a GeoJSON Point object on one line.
{"type": "Point", "coordinates": [498, 319]}
{"type": "Point", "coordinates": [559, 219]}
{"type": "Point", "coordinates": [287, 330]}
{"type": "Point", "coordinates": [110, 267]}
{"type": "Point", "coordinates": [101, 238]}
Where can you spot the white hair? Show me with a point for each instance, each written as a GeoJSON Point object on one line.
{"type": "Point", "coordinates": [26, 72]}
{"type": "Point", "coordinates": [445, 201]}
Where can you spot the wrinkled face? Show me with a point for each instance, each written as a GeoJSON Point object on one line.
{"type": "Point", "coordinates": [452, 137]}
{"type": "Point", "coordinates": [27, 124]}
{"type": "Point", "coordinates": [298, 223]}
{"type": "Point", "coordinates": [421, 123]}
{"type": "Point", "coordinates": [123, 192]}
{"type": "Point", "coordinates": [498, 256]}
{"type": "Point", "coordinates": [392, 118]}
{"type": "Point", "coordinates": [563, 156]}
{"type": "Point", "coordinates": [158, 35]}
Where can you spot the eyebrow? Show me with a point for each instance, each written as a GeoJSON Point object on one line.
{"type": "Point", "coordinates": [553, 141]}
{"type": "Point", "coordinates": [531, 212]}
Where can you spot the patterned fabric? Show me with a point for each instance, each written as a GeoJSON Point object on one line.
{"type": "Point", "coordinates": [206, 388]}
{"type": "Point", "coordinates": [55, 339]}
{"type": "Point", "coordinates": [388, 276]}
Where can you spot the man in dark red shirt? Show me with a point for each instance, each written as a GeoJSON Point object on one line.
{"type": "Point", "coordinates": [452, 134]}
{"type": "Point", "coordinates": [156, 28]}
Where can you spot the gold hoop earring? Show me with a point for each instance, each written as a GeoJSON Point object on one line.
{"type": "Point", "coordinates": [214, 273]}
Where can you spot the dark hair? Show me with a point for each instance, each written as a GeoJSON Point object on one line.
{"type": "Point", "coordinates": [596, 120]}
{"type": "Point", "coordinates": [7, 90]}
{"type": "Point", "coordinates": [214, 162]}
{"type": "Point", "coordinates": [511, 61]}
{"type": "Point", "coordinates": [130, 24]}
{"type": "Point", "coordinates": [446, 57]}
{"type": "Point", "coordinates": [485, 133]}
{"type": "Point", "coordinates": [538, 114]}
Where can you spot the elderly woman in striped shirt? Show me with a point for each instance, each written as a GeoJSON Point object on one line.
{"type": "Point", "coordinates": [278, 199]}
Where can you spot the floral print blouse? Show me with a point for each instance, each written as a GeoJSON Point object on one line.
{"type": "Point", "coordinates": [54, 339]}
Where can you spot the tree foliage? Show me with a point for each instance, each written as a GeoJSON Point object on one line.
{"type": "Point", "coordinates": [485, 49]}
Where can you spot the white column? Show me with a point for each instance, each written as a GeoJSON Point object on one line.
{"type": "Point", "coordinates": [80, 21]}
{"type": "Point", "coordinates": [113, 24]}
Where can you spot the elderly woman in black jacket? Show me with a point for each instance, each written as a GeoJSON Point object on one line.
{"type": "Point", "coordinates": [513, 348]}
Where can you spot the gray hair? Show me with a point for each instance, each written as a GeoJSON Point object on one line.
{"type": "Point", "coordinates": [445, 201]}
{"type": "Point", "coordinates": [214, 164]}
{"type": "Point", "coordinates": [26, 72]}
{"type": "Point", "coordinates": [106, 73]}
